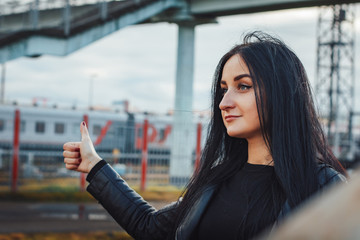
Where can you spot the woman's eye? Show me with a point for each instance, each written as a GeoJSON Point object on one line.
{"type": "Point", "coordinates": [223, 91]}
{"type": "Point", "coordinates": [243, 87]}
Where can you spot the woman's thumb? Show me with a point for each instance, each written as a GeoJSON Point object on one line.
{"type": "Point", "coordinates": [84, 131]}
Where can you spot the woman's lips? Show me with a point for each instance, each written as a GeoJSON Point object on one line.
{"type": "Point", "coordinates": [229, 118]}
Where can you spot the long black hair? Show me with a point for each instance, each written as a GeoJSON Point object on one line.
{"type": "Point", "coordinates": [288, 120]}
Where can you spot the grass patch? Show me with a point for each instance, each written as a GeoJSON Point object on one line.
{"type": "Point", "coordinates": [68, 190]}
{"type": "Point", "coordinates": [67, 236]}
{"type": "Point", "coordinates": [68, 194]}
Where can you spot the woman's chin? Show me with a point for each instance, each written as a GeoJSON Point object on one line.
{"type": "Point", "coordinates": [234, 134]}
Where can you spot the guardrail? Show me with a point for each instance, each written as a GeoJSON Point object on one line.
{"type": "Point", "coordinates": [10, 7]}
{"type": "Point", "coordinates": [23, 167]}
{"type": "Point", "coordinates": [46, 169]}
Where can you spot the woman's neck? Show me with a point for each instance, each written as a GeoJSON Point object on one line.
{"type": "Point", "coordinates": [258, 153]}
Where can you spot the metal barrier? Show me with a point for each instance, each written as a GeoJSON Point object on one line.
{"type": "Point", "coordinates": [142, 158]}
{"type": "Point", "coordinates": [16, 6]}
{"type": "Point", "coordinates": [57, 15]}
{"type": "Point", "coordinates": [37, 14]}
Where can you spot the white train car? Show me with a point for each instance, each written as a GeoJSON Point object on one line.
{"type": "Point", "coordinates": [49, 128]}
{"type": "Point", "coordinates": [117, 136]}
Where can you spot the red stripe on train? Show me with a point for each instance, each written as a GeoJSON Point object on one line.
{"type": "Point", "coordinates": [103, 133]}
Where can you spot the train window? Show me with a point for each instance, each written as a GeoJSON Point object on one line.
{"type": "Point", "coordinates": [96, 130]}
{"type": "Point", "coordinates": [120, 131]}
{"type": "Point", "coordinates": [59, 128]}
{"type": "Point", "coordinates": [162, 133]}
{"type": "Point", "coordinates": [22, 126]}
{"type": "Point", "coordinates": [111, 132]}
{"type": "Point", "coordinates": [2, 125]}
{"type": "Point", "coordinates": [75, 128]}
{"type": "Point", "coordinates": [140, 132]}
{"type": "Point", "coordinates": [40, 127]}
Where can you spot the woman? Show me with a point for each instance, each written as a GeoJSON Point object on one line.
{"type": "Point", "coordinates": [265, 154]}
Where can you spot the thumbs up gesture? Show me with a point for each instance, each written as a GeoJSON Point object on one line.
{"type": "Point", "coordinates": [81, 156]}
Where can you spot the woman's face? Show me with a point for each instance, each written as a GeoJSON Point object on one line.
{"type": "Point", "coordinates": [238, 105]}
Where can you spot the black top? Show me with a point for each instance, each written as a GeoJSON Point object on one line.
{"type": "Point", "coordinates": [243, 206]}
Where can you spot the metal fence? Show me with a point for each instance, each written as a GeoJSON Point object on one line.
{"type": "Point", "coordinates": [9, 7]}
{"type": "Point", "coordinates": [141, 157]}
{"type": "Point", "coordinates": [59, 14]}
{"type": "Point", "coordinates": [45, 170]}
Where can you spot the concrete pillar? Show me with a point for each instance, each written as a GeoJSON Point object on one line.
{"type": "Point", "coordinates": [2, 91]}
{"type": "Point", "coordinates": [183, 132]}
{"type": "Point", "coordinates": [67, 17]}
{"type": "Point", "coordinates": [103, 9]}
{"type": "Point", "coordinates": [35, 14]}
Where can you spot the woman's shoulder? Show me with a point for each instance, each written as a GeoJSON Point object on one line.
{"type": "Point", "coordinates": [328, 175]}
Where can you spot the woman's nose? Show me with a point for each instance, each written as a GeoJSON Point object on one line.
{"type": "Point", "coordinates": [226, 102]}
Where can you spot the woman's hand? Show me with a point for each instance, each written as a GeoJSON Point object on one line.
{"type": "Point", "coordinates": [81, 156]}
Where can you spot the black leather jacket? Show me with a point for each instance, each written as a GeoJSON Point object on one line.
{"type": "Point", "coordinates": [142, 221]}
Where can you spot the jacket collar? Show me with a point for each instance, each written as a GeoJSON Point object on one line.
{"type": "Point", "coordinates": [194, 214]}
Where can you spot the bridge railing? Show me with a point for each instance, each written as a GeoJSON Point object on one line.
{"type": "Point", "coordinates": [39, 14]}
{"type": "Point", "coordinates": [16, 16]}
{"type": "Point", "coordinates": [9, 7]}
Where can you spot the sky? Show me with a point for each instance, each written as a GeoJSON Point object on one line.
{"type": "Point", "coordinates": [138, 63]}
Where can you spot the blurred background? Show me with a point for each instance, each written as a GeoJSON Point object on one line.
{"type": "Point", "coordinates": [139, 72]}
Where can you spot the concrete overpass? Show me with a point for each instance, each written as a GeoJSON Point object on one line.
{"type": "Point", "coordinates": [62, 29]}
{"type": "Point", "coordinates": [59, 27]}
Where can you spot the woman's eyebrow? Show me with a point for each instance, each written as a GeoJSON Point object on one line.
{"type": "Point", "coordinates": [241, 76]}
{"type": "Point", "coordinates": [237, 78]}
